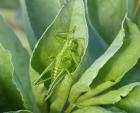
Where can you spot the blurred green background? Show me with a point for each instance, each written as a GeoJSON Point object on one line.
{"type": "Point", "coordinates": [10, 10]}
{"type": "Point", "coordinates": [9, 4]}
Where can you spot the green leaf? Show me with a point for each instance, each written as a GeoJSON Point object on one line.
{"type": "Point", "coordinates": [50, 45]}
{"type": "Point", "coordinates": [10, 97]}
{"type": "Point", "coordinates": [20, 60]}
{"type": "Point", "coordinates": [71, 16]}
{"type": "Point", "coordinates": [27, 25]}
{"type": "Point", "coordinates": [96, 47]}
{"type": "Point", "coordinates": [131, 103]}
{"type": "Point", "coordinates": [123, 60]}
{"type": "Point", "coordinates": [119, 64]}
{"type": "Point", "coordinates": [106, 17]}
{"type": "Point", "coordinates": [110, 97]}
{"type": "Point", "coordinates": [131, 76]}
{"type": "Point", "coordinates": [89, 75]}
{"type": "Point", "coordinates": [41, 14]}
{"type": "Point", "coordinates": [116, 110]}
{"type": "Point", "coordinates": [94, 110]}
{"type": "Point", "coordinates": [20, 111]}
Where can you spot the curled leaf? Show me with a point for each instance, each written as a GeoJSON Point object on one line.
{"type": "Point", "coordinates": [10, 96]}
{"type": "Point", "coordinates": [20, 61]}
{"type": "Point", "coordinates": [123, 60]}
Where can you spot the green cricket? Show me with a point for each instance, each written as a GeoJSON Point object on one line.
{"type": "Point", "coordinates": [64, 63]}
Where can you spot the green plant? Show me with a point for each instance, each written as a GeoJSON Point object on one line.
{"type": "Point", "coordinates": [86, 58]}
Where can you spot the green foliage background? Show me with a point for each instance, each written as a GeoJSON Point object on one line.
{"type": "Point", "coordinates": [107, 80]}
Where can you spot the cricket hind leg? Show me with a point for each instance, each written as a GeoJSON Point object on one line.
{"type": "Point", "coordinates": [54, 84]}
{"type": "Point", "coordinates": [43, 73]}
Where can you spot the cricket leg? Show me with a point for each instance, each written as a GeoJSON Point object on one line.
{"type": "Point", "coordinates": [54, 84]}
{"type": "Point", "coordinates": [43, 73]}
{"type": "Point", "coordinates": [42, 81]}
